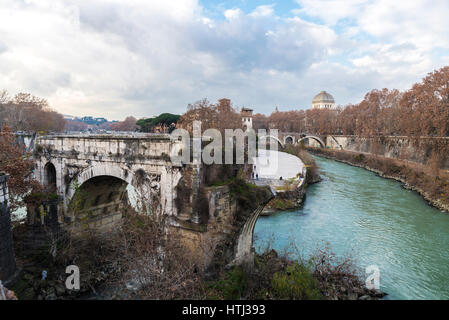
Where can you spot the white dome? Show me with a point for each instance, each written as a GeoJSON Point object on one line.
{"type": "Point", "coordinates": [323, 97]}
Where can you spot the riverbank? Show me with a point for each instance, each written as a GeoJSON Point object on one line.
{"type": "Point", "coordinates": [432, 184]}
{"type": "Point", "coordinates": [287, 200]}
{"type": "Point", "coordinates": [295, 199]}
{"type": "Point", "coordinates": [43, 256]}
{"type": "Point", "coordinates": [114, 266]}
{"type": "Point", "coordinates": [285, 173]}
{"type": "Point", "coordinates": [276, 276]}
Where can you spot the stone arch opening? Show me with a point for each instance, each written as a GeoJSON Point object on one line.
{"type": "Point", "coordinates": [50, 177]}
{"type": "Point", "coordinates": [320, 142]}
{"type": "Point", "coordinates": [138, 190]}
{"type": "Point", "coordinates": [99, 201]}
{"type": "Point", "coordinates": [289, 140]}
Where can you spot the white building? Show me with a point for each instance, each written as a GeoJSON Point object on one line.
{"type": "Point", "coordinates": [247, 118]}
{"type": "Point", "coordinates": [323, 100]}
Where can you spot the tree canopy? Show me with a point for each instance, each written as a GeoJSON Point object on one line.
{"type": "Point", "coordinates": [25, 112]}
{"type": "Point", "coordinates": [164, 119]}
{"type": "Point", "coordinates": [422, 110]}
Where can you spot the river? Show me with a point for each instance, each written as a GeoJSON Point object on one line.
{"type": "Point", "coordinates": [376, 222]}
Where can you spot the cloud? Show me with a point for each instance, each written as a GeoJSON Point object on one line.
{"type": "Point", "coordinates": [116, 58]}
{"type": "Point", "coordinates": [331, 11]}
{"type": "Point", "coordinates": [421, 22]}
{"type": "Point", "coordinates": [143, 57]}
{"type": "Point", "coordinates": [396, 40]}
{"type": "Point", "coordinates": [263, 11]}
{"type": "Point", "coordinates": [233, 14]}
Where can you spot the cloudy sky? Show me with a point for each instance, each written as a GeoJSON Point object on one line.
{"type": "Point", "coordinates": [115, 58]}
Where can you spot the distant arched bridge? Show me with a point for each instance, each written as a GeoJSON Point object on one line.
{"type": "Point", "coordinates": [295, 138]}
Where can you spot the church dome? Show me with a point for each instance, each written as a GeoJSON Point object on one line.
{"type": "Point", "coordinates": [323, 96]}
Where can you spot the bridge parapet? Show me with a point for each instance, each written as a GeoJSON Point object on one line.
{"type": "Point", "coordinates": [118, 148]}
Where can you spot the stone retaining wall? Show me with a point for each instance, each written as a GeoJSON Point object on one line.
{"type": "Point", "coordinates": [415, 149]}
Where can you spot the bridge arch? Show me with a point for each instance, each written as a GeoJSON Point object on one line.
{"type": "Point", "coordinates": [50, 176]}
{"type": "Point", "coordinates": [317, 139]}
{"type": "Point", "coordinates": [274, 138]}
{"type": "Point", "coordinates": [289, 140]}
{"type": "Point", "coordinates": [106, 184]}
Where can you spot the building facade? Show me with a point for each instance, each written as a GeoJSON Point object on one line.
{"type": "Point", "coordinates": [247, 118]}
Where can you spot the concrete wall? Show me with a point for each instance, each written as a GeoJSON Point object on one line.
{"type": "Point", "coordinates": [7, 260]}
{"type": "Point", "coordinates": [419, 150]}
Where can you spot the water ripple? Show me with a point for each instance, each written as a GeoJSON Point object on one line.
{"type": "Point", "coordinates": [377, 221]}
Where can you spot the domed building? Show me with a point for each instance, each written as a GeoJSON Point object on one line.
{"type": "Point", "coordinates": [323, 100]}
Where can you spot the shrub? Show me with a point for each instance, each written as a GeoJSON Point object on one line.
{"type": "Point", "coordinates": [233, 285]}
{"type": "Point", "coordinates": [359, 158]}
{"type": "Point", "coordinates": [297, 282]}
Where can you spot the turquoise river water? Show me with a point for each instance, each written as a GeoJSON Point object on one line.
{"type": "Point", "coordinates": [373, 220]}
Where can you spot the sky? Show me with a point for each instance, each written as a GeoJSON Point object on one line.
{"type": "Point", "coordinates": [115, 58]}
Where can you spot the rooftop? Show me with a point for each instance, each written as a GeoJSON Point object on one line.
{"type": "Point", "coordinates": [323, 96]}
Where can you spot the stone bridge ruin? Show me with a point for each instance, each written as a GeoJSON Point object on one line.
{"type": "Point", "coordinates": [91, 175]}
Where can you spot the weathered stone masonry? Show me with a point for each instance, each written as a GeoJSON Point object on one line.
{"type": "Point", "coordinates": [99, 167]}
{"type": "Point", "coordinates": [97, 163]}
{"type": "Point", "coordinates": [414, 149]}
{"type": "Point", "coordinates": [7, 260]}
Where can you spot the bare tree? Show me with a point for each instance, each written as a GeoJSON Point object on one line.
{"type": "Point", "coordinates": [129, 124]}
